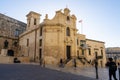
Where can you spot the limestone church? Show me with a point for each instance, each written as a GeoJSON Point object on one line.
{"type": "Point", "coordinates": [57, 39]}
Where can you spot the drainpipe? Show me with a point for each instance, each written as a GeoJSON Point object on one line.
{"type": "Point", "coordinates": [35, 44]}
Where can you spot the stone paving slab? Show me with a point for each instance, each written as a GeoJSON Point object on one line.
{"type": "Point", "coordinates": [86, 71]}
{"type": "Point", "coordinates": [35, 72]}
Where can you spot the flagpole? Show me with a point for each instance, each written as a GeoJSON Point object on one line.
{"type": "Point", "coordinates": [81, 26]}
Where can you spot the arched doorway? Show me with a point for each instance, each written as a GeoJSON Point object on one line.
{"type": "Point", "coordinates": [10, 52]}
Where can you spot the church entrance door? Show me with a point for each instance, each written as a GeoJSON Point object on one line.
{"type": "Point", "coordinates": [68, 52]}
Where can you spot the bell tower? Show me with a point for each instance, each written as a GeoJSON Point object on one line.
{"type": "Point", "coordinates": [33, 20]}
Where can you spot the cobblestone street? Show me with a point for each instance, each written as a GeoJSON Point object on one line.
{"type": "Point", "coordinates": [35, 72]}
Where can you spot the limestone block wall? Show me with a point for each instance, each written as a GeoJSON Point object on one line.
{"type": "Point", "coordinates": [27, 43]}
{"type": "Point", "coordinates": [5, 59]}
{"type": "Point", "coordinates": [55, 42]}
{"type": "Point", "coordinates": [11, 42]}
{"type": "Point", "coordinates": [52, 44]}
{"type": "Point", "coordinates": [9, 59]}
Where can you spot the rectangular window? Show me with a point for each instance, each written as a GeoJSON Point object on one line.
{"type": "Point", "coordinates": [40, 53]}
{"type": "Point", "coordinates": [77, 42]}
{"type": "Point", "coordinates": [68, 31]}
{"type": "Point", "coordinates": [27, 42]}
{"type": "Point", "coordinates": [29, 23]}
{"type": "Point", "coordinates": [41, 31]}
{"type": "Point", "coordinates": [40, 42]}
{"type": "Point", "coordinates": [16, 33]}
{"type": "Point", "coordinates": [89, 51]}
{"type": "Point", "coordinates": [82, 52]}
{"type": "Point", "coordinates": [78, 53]}
{"type": "Point", "coordinates": [35, 21]}
{"type": "Point", "coordinates": [101, 52]}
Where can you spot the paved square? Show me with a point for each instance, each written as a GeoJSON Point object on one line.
{"type": "Point", "coordinates": [35, 72]}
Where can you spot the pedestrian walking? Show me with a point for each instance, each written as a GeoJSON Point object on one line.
{"type": "Point", "coordinates": [75, 64]}
{"type": "Point", "coordinates": [112, 69]}
{"type": "Point", "coordinates": [61, 63]}
{"type": "Point", "coordinates": [41, 62]}
{"type": "Point", "coordinates": [96, 68]}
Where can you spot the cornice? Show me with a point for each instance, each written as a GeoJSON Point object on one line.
{"type": "Point", "coordinates": [52, 24]}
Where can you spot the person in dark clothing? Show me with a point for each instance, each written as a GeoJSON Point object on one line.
{"type": "Point", "coordinates": [6, 44]}
{"type": "Point", "coordinates": [41, 62]}
{"type": "Point", "coordinates": [119, 70]}
{"type": "Point", "coordinates": [16, 60]}
{"type": "Point", "coordinates": [61, 63]}
{"type": "Point", "coordinates": [112, 69]}
{"type": "Point", "coordinates": [75, 64]}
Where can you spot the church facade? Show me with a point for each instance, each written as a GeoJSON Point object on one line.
{"type": "Point", "coordinates": [57, 39]}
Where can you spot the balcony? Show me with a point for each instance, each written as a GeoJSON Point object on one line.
{"type": "Point", "coordinates": [99, 57]}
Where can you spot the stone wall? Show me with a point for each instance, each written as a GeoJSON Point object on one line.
{"type": "Point", "coordinates": [10, 29]}
{"type": "Point", "coordinates": [9, 26]}
{"type": "Point", "coordinates": [9, 59]}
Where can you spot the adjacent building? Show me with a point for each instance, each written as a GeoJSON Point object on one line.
{"type": "Point", "coordinates": [10, 29]}
{"type": "Point", "coordinates": [113, 52]}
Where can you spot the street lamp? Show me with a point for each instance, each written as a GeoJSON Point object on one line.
{"type": "Point", "coordinates": [96, 65]}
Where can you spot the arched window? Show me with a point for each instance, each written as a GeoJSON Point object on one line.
{"type": "Point", "coordinates": [68, 31]}
{"type": "Point", "coordinates": [27, 42]}
{"type": "Point", "coordinates": [68, 18]}
{"type": "Point", "coordinates": [29, 23]}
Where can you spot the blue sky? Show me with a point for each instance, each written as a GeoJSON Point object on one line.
{"type": "Point", "coordinates": [101, 18]}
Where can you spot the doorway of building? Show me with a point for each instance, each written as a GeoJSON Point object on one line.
{"type": "Point", "coordinates": [96, 54]}
{"type": "Point", "coordinates": [68, 52]}
{"type": "Point", "coordinates": [40, 54]}
{"type": "Point", "coordinates": [10, 53]}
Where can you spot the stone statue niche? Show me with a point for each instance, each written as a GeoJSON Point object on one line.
{"type": "Point", "coordinates": [6, 43]}
{"type": "Point", "coordinates": [15, 44]}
